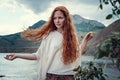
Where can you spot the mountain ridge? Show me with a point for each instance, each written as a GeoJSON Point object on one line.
{"type": "Point", "coordinates": [14, 43]}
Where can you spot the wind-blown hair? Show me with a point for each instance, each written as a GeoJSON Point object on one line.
{"type": "Point", "coordinates": [70, 42]}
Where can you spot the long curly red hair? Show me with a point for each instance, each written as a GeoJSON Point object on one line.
{"type": "Point", "coordinates": [70, 42]}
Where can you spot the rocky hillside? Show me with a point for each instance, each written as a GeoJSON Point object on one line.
{"type": "Point", "coordinates": [102, 35]}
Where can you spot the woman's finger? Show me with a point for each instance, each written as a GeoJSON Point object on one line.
{"type": "Point", "coordinates": [89, 36]}
{"type": "Point", "coordinates": [9, 57]}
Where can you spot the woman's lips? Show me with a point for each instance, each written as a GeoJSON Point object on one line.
{"type": "Point", "coordinates": [58, 24]}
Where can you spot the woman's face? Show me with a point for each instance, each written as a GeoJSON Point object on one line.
{"type": "Point", "coordinates": [59, 19]}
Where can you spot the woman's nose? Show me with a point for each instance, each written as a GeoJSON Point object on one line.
{"type": "Point", "coordinates": [57, 20]}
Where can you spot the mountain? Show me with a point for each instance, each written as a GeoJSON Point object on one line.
{"type": "Point", "coordinates": [38, 24]}
{"type": "Point", "coordinates": [86, 25]}
{"type": "Point", "coordinates": [14, 43]}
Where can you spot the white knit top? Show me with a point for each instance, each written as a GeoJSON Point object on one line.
{"type": "Point", "coordinates": [50, 59]}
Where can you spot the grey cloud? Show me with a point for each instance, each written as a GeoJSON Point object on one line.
{"type": "Point", "coordinates": [89, 2]}
{"type": "Point", "coordinates": [36, 6]}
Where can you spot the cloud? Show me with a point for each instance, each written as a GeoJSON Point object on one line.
{"type": "Point", "coordinates": [9, 29]}
{"type": "Point", "coordinates": [36, 6]}
{"type": "Point", "coordinates": [78, 7]}
{"type": "Point", "coordinates": [89, 2]}
{"type": "Point", "coordinates": [8, 4]}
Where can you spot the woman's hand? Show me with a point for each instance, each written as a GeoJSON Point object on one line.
{"type": "Point", "coordinates": [88, 36]}
{"type": "Point", "coordinates": [10, 57]}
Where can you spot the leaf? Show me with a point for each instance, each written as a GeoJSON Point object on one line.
{"type": "Point", "coordinates": [101, 6]}
{"type": "Point", "coordinates": [90, 63]}
{"type": "Point", "coordinates": [106, 3]}
{"type": "Point", "coordinates": [76, 69]}
{"type": "Point", "coordinates": [118, 11]}
{"type": "Point", "coordinates": [102, 78]}
{"type": "Point", "coordinates": [114, 11]}
{"type": "Point", "coordinates": [97, 55]}
{"type": "Point", "coordinates": [101, 53]}
{"type": "Point", "coordinates": [103, 0]}
{"type": "Point", "coordinates": [95, 68]}
{"type": "Point", "coordinates": [109, 16]}
{"type": "Point", "coordinates": [100, 1]}
{"type": "Point", "coordinates": [114, 2]}
{"type": "Point", "coordinates": [96, 75]}
{"type": "Point", "coordinates": [100, 69]}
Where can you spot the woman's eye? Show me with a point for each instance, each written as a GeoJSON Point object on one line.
{"type": "Point", "coordinates": [60, 17]}
{"type": "Point", "coordinates": [54, 18]}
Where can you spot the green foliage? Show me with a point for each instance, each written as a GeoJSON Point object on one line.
{"type": "Point", "coordinates": [115, 7]}
{"type": "Point", "coordinates": [90, 72]}
{"type": "Point", "coordinates": [108, 47]}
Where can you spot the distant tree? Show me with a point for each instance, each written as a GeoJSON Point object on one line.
{"type": "Point", "coordinates": [115, 7]}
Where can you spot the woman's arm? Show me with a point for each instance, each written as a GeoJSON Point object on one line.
{"type": "Point", "coordinates": [87, 37]}
{"type": "Point", "coordinates": [22, 56]}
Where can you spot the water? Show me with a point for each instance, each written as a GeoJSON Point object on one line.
{"type": "Point", "coordinates": [20, 69]}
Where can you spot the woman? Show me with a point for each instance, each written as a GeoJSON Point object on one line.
{"type": "Point", "coordinates": [59, 52]}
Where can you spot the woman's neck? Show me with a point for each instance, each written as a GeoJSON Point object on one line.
{"type": "Point", "coordinates": [60, 30]}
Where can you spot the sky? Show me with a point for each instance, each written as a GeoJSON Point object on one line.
{"type": "Point", "coordinates": [18, 15]}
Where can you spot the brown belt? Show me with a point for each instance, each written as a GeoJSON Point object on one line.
{"type": "Point", "coordinates": [59, 77]}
